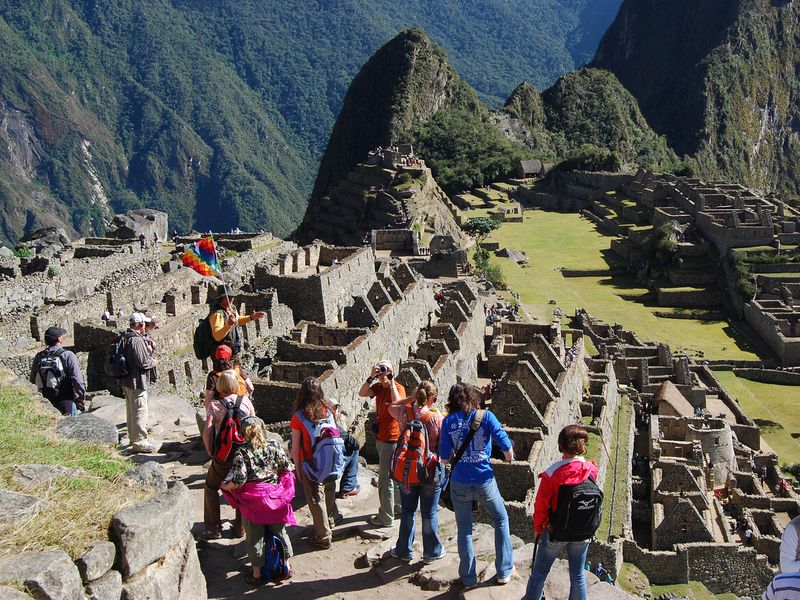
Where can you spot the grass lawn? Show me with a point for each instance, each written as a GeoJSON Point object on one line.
{"type": "Point", "coordinates": [773, 408]}
{"type": "Point", "coordinates": [557, 240]}
{"type": "Point", "coordinates": [633, 581]}
{"type": "Point", "coordinates": [74, 510]}
{"type": "Point", "coordinates": [620, 456]}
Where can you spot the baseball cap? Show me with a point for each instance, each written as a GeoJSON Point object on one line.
{"type": "Point", "coordinates": [138, 317]}
{"type": "Point", "coordinates": [333, 402]}
{"type": "Point", "coordinates": [387, 364]}
{"type": "Point", "coordinates": [53, 333]}
{"type": "Point", "coordinates": [223, 352]}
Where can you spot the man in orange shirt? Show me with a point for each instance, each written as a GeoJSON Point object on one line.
{"type": "Point", "coordinates": [381, 385]}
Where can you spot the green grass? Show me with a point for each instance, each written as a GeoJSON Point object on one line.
{"type": "Point", "coordinates": [26, 437]}
{"type": "Point", "coordinates": [773, 408]}
{"type": "Point", "coordinates": [553, 240]}
{"type": "Point", "coordinates": [621, 500]}
{"type": "Point", "coordinates": [633, 581]}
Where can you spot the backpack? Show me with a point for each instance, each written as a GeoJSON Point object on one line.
{"type": "Point", "coordinates": [116, 364]}
{"type": "Point", "coordinates": [230, 435]}
{"type": "Point", "coordinates": [578, 512]}
{"type": "Point", "coordinates": [203, 341]}
{"type": "Point", "coordinates": [275, 555]}
{"type": "Point", "coordinates": [51, 373]}
{"type": "Point", "coordinates": [413, 463]}
{"type": "Point", "coordinates": [326, 462]}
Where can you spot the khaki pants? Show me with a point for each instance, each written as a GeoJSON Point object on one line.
{"type": "Point", "coordinates": [136, 414]}
{"type": "Point", "coordinates": [388, 492]}
{"type": "Point", "coordinates": [321, 500]}
{"type": "Point", "coordinates": [254, 540]}
{"type": "Point", "coordinates": [215, 476]}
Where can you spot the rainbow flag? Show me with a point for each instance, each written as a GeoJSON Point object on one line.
{"type": "Point", "coordinates": [202, 257]}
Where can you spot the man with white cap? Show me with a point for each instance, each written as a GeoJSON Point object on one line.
{"type": "Point", "coordinates": [134, 386]}
{"type": "Point", "coordinates": [379, 385]}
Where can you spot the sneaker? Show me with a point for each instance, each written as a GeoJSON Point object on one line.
{"type": "Point", "coordinates": [210, 534]}
{"type": "Point", "coordinates": [429, 559]}
{"type": "Point", "coordinates": [505, 580]}
{"type": "Point", "coordinates": [354, 492]}
{"type": "Point", "coordinates": [143, 448]}
{"type": "Point", "coordinates": [336, 519]}
{"type": "Point", "coordinates": [376, 520]}
{"type": "Point", "coordinates": [320, 543]}
{"type": "Point", "coordinates": [395, 554]}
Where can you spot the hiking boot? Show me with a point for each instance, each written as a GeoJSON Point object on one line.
{"type": "Point", "coordinates": [143, 448]}
{"type": "Point", "coordinates": [320, 543]}
{"type": "Point", "coordinates": [395, 554]}
{"type": "Point", "coordinates": [376, 520]}
{"type": "Point", "coordinates": [210, 534]}
{"type": "Point", "coordinates": [429, 559]}
{"type": "Point", "coordinates": [354, 492]}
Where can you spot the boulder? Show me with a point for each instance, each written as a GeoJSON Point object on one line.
{"type": "Point", "coordinates": [161, 410]}
{"type": "Point", "coordinates": [47, 575]}
{"type": "Point", "coordinates": [200, 418]}
{"type": "Point", "coordinates": [516, 255]}
{"type": "Point", "coordinates": [6, 252]}
{"type": "Point", "coordinates": [103, 400]}
{"type": "Point", "coordinates": [178, 576]}
{"type": "Point", "coordinates": [145, 532]}
{"type": "Point", "coordinates": [47, 242]}
{"type": "Point", "coordinates": [98, 559]}
{"type": "Point", "coordinates": [35, 475]}
{"type": "Point", "coordinates": [147, 474]}
{"type": "Point", "coordinates": [441, 574]}
{"type": "Point", "coordinates": [7, 593]}
{"type": "Point", "coordinates": [14, 506]}
{"type": "Point", "coordinates": [88, 427]}
{"type": "Point", "coordinates": [140, 221]}
{"type": "Point", "coordinates": [107, 587]}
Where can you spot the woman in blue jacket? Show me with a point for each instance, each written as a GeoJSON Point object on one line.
{"type": "Point", "coordinates": [472, 479]}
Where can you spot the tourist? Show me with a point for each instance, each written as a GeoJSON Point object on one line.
{"type": "Point", "coordinates": [261, 469]}
{"type": "Point", "coordinates": [120, 314]}
{"type": "Point", "coordinates": [225, 321]}
{"type": "Point", "coordinates": [425, 497]}
{"type": "Point", "coordinates": [223, 362]}
{"type": "Point", "coordinates": [134, 385]}
{"type": "Point", "coordinates": [56, 373]}
{"type": "Point", "coordinates": [149, 329]}
{"type": "Point", "coordinates": [572, 469]}
{"type": "Point", "coordinates": [783, 586]}
{"type": "Point", "coordinates": [106, 316]}
{"type": "Point", "coordinates": [379, 386]}
{"type": "Point", "coordinates": [320, 497]}
{"type": "Point", "coordinates": [763, 474]}
{"type": "Point", "coordinates": [155, 239]}
{"type": "Point", "coordinates": [748, 537]}
{"type": "Point", "coordinates": [348, 484]}
{"type": "Point", "coordinates": [472, 479]}
{"type": "Point", "coordinates": [216, 411]}
{"type": "Point", "coordinates": [142, 241]}
{"type": "Point", "coordinates": [790, 547]}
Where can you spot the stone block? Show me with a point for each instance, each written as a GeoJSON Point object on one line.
{"type": "Point", "coordinates": [147, 474]}
{"type": "Point", "coordinates": [107, 587]}
{"type": "Point", "coordinates": [14, 505]}
{"type": "Point", "coordinates": [104, 400]}
{"type": "Point", "coordinates": [176, 577]}
{"type": "Point", "coordinates": [35, 475]}
{"type": "Point", "coordinates": [98, 559]}
{"type": "Point", "coordinates": [7, 593]}
{"type": "Point", "coordinates": [88, 427]}
{"type": "Point", "coordinates": [147, 531]}
{"type": "Point", "coordinates": [46, 575]}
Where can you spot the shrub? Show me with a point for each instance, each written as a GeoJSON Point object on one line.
{"type": "Point", "coordinates": [23, 251]}
{"type": "Point", "coordinates": [52, 272]}
{"type": "Point", "coordinates": [403, 178]}
{"type": "Point", "coordinates": [591, 158]}
{"type": "Point", "coordinates": [480, 227]}
{"type": "Point", "coordinates": [493, 273]}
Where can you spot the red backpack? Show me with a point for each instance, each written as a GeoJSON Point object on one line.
{"type": "Point", "coordinates": [413, 463]}
{"type": "Point", "coordinates": [230, 435]}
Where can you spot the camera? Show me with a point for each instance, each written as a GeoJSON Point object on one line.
{"type": "Point", "coordinates": [382, 368]}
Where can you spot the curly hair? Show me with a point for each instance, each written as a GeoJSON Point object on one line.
{"type": "Point", "coordinates": [572, 440]}
{"type": "Point", "coordinates": [311, 400]}
{"type": "Point", "coordinates": [463, 397]}
{"type": "Point", "coordinates": [255, 434]}
{"type": "Point", "coordinates": [425, 391]}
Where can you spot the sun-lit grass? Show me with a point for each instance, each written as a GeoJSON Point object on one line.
{"type": "Point", "coordinates": [557, 240]}
{"type": "Point", "coordinates": [74, 510]}
{"type": "Point", "coordinates": [773, 408]}
{"type": "Point", "coordinates": [633, 581]}
{"type": "Point", "coordinates": [618, 454]}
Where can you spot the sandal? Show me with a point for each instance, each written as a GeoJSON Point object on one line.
{"type": "Point", "coordinates": [254, 581]}
{"type": "Point", "coordinates": [320, 543]}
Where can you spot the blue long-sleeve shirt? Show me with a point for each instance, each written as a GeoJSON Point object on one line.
{"type": "Point", "coordinates": [474, 466]}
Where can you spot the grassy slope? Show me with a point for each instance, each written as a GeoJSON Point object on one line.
{"type": "Point", "coordinates": [621, 500]}
{"type": "Point", "coordinates": [89, 501]}
{"type": "Point", "coordinates": [633, 581]}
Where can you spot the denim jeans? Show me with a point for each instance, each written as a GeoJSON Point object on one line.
{"type": "Point", "coordinates": [488, 496]}
{"type": "Point", "coordinates": [546, 554]}
{"type": "Point", "coordinates": [427, 497]}
{"type": "Point", "coordinates": [349, 480]}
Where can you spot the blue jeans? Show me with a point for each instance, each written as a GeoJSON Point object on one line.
{"type": "Point", "coordinates": [487, 494]}
{"type": "Point", "coordinates": [545, 556]}
{"type": "Point", "coordinates": [349, 480]}
{"type": "Point", "coordinates": [427, 496]}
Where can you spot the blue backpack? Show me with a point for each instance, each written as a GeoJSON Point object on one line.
{"type": "Point", "coordinates": [275, 566]}
{"type": "Point", "coordinates": [326, 462]}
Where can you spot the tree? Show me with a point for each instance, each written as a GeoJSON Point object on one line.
{"type": "Point", "coordinates": [480, 227]}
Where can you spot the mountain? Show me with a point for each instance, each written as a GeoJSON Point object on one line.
{"type": "Point", "coordinates": [218, 111]}
{"type": "Point", "coordinates": [718, 79]}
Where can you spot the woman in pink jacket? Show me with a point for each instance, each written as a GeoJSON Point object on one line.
{"type": "Point", "coordinates": [553, 531]}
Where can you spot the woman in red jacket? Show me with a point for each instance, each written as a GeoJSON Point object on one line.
{"type": "Point", "coordinates": [572, 470]}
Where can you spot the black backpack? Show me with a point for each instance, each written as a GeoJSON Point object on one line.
{"type": "Point", "coordinates": [578, 512]}
{"type": "Point", "coordinates": [116, 364]}
{"type": "Point", "coordinates": [51, 373]}
{"type": "Point", "coordinates": [203, 342]}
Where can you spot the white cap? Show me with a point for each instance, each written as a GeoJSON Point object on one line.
{"type": "Point", "coordinates": [333, 402]}
{"type": "Point", "coordinates": [387, 364]}
{"type": "Point", "coordinates": [137, 318]}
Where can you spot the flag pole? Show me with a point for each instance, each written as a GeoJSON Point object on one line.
{"type": "Point", "coordinates": [219, 270]}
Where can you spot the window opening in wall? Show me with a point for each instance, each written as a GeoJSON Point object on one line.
{"type": "Point", "coordinates": [716, 441]}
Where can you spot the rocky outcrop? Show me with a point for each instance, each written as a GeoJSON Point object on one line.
{"type": "Point", "coordinates": [46, 242]}
{"type": "Point", "coordinates": [138, 222]}
{"type": "Point", "coordinates": [14, 505]}
{"type": "Point", "coordinates": [47, 575]}
{"type": "Point", "coordinates": [88, 427]}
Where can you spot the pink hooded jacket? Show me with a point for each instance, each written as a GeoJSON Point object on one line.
{"type": "Point", "coordinates": [571, 471]}
{"type": "Point", "coordinates": [265, 503]}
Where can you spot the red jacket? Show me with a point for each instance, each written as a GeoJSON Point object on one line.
{"type": "Point", "coordinates": [571, 471]}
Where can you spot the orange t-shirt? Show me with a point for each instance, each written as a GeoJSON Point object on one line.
{"type": "Point", "coordinates": [388, 428]}
{"type": "Point", "coordinates": [297, 424]}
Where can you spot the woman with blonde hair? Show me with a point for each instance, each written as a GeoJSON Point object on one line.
{"type": "Point", "coordinates": [226, 397]}
{"type": "Point", "coordinates": [419, 407]}
{"type": "Point", "coordinates": [260, 483]}
{"type": "Point", "coordinates": [573, 469]}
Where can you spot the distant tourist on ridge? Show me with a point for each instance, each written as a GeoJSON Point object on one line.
{"type": "Point", "coordinates": [56, 373]}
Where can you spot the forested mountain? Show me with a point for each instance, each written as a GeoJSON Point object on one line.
{"type": "Point", "coordinates": [218, 111]}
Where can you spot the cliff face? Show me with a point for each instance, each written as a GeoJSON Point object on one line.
{"type": "Point", "coordinates": [405, 83]}
{"type": "Point", "coordinates": [717, 77]}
